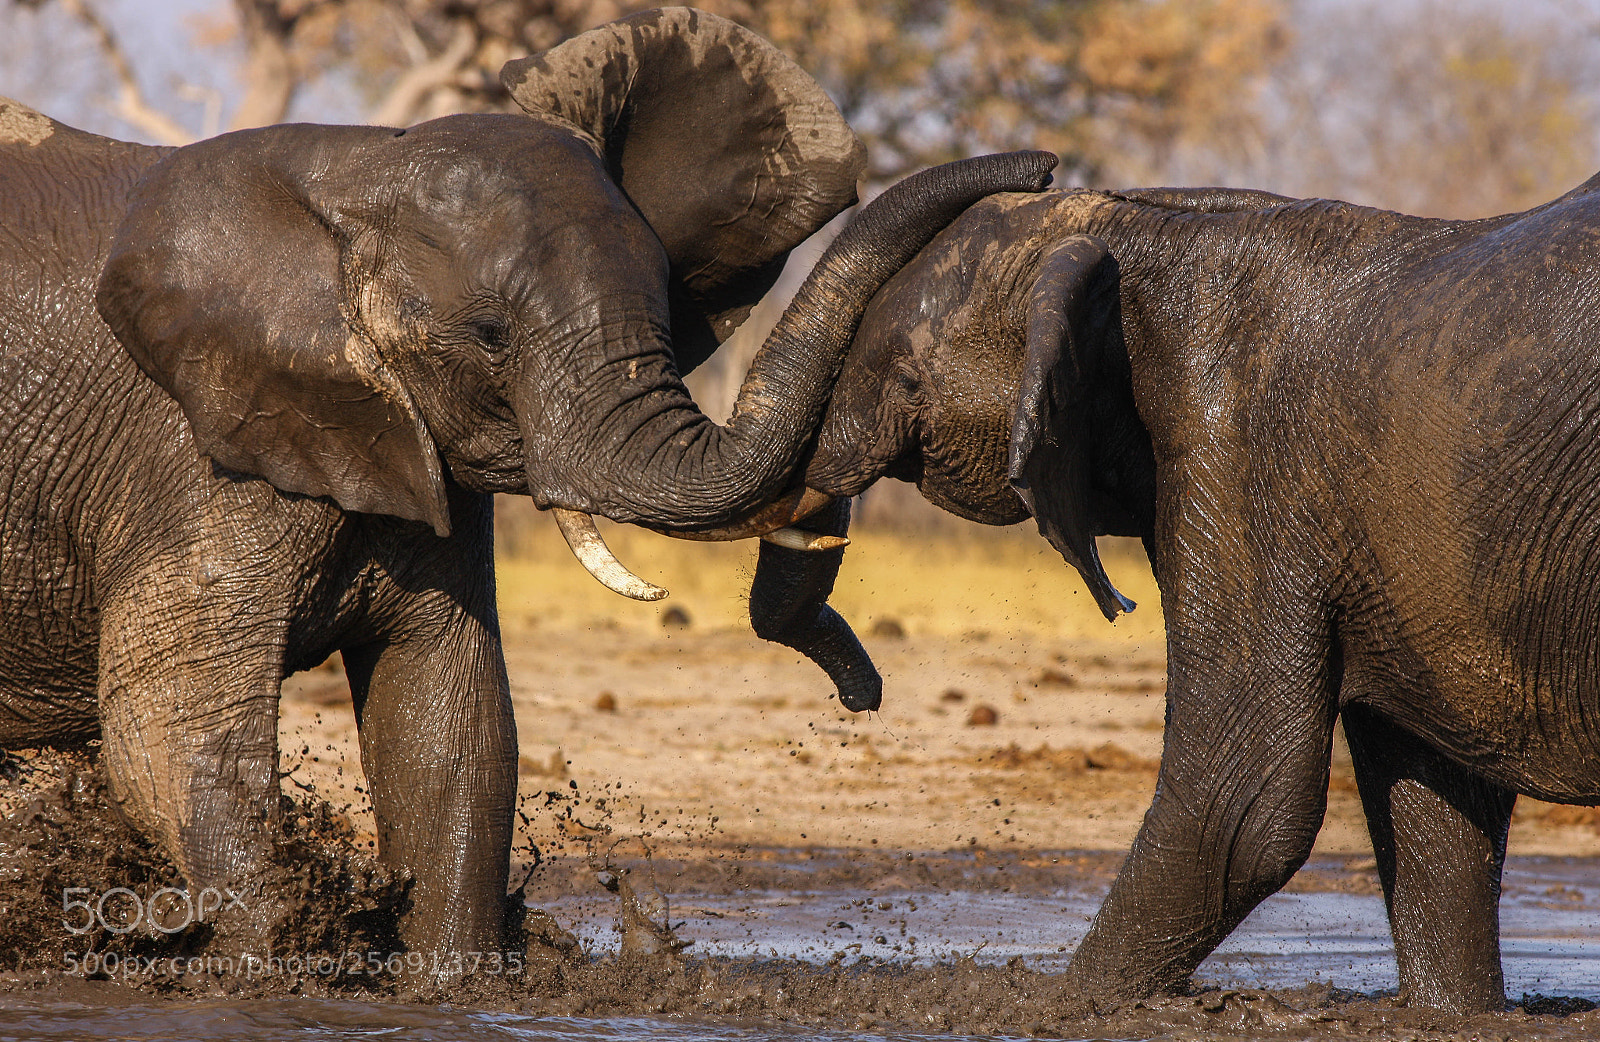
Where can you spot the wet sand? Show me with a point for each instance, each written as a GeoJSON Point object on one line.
{"type": "Point", "coordinates": [692, 737]}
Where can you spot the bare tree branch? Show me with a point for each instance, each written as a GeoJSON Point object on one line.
{"type": "Point", "coordinates": [211, 100]}
{"type": "Point", "coordinates": [405, 98]}
{"type": "Point", "coordinates": [131, 104]}
{"type": "Point", "coordinates": [270, 80]}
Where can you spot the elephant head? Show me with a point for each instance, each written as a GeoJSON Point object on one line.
{"type": "Point", "coordinates": [508, 301]}
{"type": "Point", "coordinates": [989, 371]}
{"type": "Point", "coordinates": [992, 372]}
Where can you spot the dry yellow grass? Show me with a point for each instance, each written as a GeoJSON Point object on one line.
{"type": "Point", "coordinates": [985, 581]}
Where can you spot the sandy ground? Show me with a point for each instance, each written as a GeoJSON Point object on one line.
{"type": "Point", "coordinates": [1014, 717]}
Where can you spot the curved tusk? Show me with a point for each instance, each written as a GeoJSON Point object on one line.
{"type": "Point", "coordinates": [799, 539]}
{"type": "Point", "coordinates": [579, 530]}
{"type": "Point", "coordinates": [792, 506]}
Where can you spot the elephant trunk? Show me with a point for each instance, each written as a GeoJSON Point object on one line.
{"type": "Point", "coordinates": [782, 399]}
{"type": "Point", "coordinates": [686, 473]}
{"type": "Point", "coordinates": [789, 606]}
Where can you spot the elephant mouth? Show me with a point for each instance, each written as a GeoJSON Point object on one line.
{"type": "Point", "coordinates": [774, 523]}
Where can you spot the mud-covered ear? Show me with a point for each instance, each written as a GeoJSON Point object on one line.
{"type": "Point", "coordinates": [728, 148]}
{"type": "Point", "coordinates": [229, 284]}
{"type": "Point", "coordinates": [1050, 449]}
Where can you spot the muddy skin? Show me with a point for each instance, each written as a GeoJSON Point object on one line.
{"type": "Point", "coordinates": [208, 483]}
{"type": "Point", "coordinates": [1349, 442]}
{"type": "Point", "coordinates": [59, 831]}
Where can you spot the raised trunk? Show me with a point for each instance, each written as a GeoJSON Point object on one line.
{"type": "Point", "coordinates": [677, 469]}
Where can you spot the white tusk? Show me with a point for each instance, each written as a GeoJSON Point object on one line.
{"type": "Point", "coordinates": [797, 539]}
{"type": "Point", "coordinates": [591, 551]}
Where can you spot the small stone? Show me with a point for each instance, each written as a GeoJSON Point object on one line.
{"type": "Point", "coordinates": [674, 618]}
{"type": "Point", "coordinates": [952, 695]}
{"type": "Point", "coordinates": [983, 716]}
{"type": "Point", "coordinates": [889, 628]}
{"type": "Point", "coordinates": [606, 703]}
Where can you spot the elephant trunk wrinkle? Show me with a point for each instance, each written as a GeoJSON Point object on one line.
{"type": "Point", "coordinates": [775, 523]}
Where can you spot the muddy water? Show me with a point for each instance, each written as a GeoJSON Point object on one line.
{"type": "Point", "coordinates": [809, 944]}
{"type": "Point", "coordinates": [323, 1021]}
{"type": "Point", "coordinates": [285, 1020]}
{"type": "Point", "coordinates": [1550, 922]}
{"type": "Point", "coordinates": [836, 919]}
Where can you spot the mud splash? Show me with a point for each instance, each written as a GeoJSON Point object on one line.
{"type": "Point", "coordinates": [336, 902]}
{"type": "Point", "coordinates": [81, 891]}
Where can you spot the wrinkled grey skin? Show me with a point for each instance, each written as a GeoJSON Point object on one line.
{"type": "Point", "coordinates": [1358, 447]}
{"type": "Point", "coordinates": [387, 326]}
{"type": "Point", "coordinates": [789, 605]}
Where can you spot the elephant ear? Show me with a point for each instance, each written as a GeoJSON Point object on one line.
{"type": "Point", "coordinates": [731, 151]}
{"type": "Point", "coordinates": [227, 283]}
{"type": "Point", "coordinates": [1050, 447]}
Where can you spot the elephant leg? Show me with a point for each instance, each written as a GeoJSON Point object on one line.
{"type": "Point", "coordinates": [438, 745]}
{"type": "Point", "coordinates": [1439, 837]}
{"type": "Point", "coordinates": [439, 748]}
{"type": "Point", "coordinates": [188, 698]}
{"type": "Point", "coordinates": [1240, 798]}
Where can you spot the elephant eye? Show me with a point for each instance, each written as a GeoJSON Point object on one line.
{"type": "Point", "coordinates": [906, 377]}
{"type": "Point", "coordinates": [493, 334]}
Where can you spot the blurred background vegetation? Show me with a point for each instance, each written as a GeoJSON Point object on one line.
{"type": "Point", "coordinates": [1447, 107]}
{"type": "Point", "coordinates": [1442, 107]}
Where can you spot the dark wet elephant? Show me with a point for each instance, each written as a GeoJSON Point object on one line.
{"type": "Point", "coordinates": [388, 326]}
{"type": "Point", "coordinates": [1359, 448]}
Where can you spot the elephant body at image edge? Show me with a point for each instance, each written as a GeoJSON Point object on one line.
{"type": "Point", "coordinates": [257, 393]}
{"type": "Point", "coordinates": [1355, 445]}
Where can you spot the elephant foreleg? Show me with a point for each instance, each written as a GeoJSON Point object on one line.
{"type": "Point", "coordinates": [1241, 795]}
{"type": "Point", "coordinates": [438, 744]}
{"type": "Point", "coordinates": [1439, 837]}
{"type": "Point", "coordinates": [188, 697]}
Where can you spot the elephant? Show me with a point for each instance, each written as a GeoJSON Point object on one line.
{"type": "Point", "coordinates": [1358, 449]}
{"type": "Point", "coordinates": [257, 393]}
